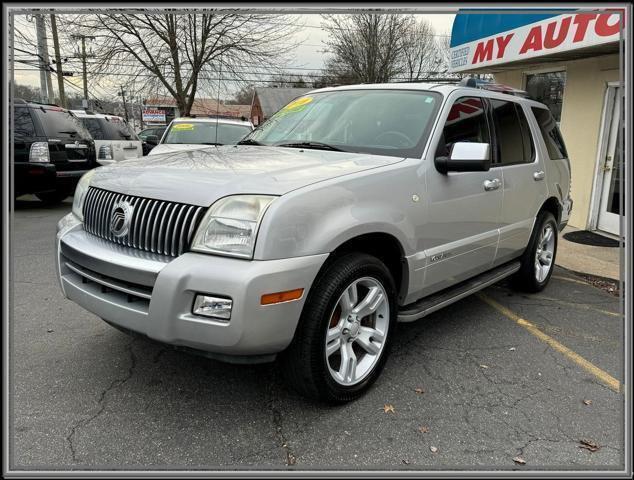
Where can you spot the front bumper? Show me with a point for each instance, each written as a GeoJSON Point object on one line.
{"type": "Point", "coordinates": [153, 294]}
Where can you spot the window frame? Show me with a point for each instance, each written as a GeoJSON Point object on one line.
{"type": "Point", "coordinates": [487, 119]}
{"type": "Point", "coordinates": [496, 153]}
{"type": "Point", "coordinates": [16, 134]}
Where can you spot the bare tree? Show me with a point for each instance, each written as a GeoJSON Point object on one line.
{"type": "Point", "coordinates": [374, 47]}
{"type": "Point", "coordinates": [421, 53]}
{"type": "Point", "coordinates": [367, 45]}
{"type": "Point", "coordinates": [179, 51]}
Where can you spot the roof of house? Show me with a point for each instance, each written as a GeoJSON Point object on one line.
{"type": "Point", "coordinates": [204, 106]}
{"type": "Point", "coordinates": [273, 98]}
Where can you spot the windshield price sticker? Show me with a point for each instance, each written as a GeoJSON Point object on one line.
{"type": "Point", "coordinates": [183, 126]}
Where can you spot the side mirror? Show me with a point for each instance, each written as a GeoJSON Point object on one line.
{"type": "Point", "coordinates": [152, 140]}
{"type": "Point", "coordinates": [465, 157]}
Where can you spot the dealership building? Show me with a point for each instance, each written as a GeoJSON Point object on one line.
{"type": "Point", "coordinates": [569, 61]}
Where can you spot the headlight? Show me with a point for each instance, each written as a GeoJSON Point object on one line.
{"type": "Point", "coordinates": [231, 225]}
{"type": "Point", "coordinates": [80, 194]}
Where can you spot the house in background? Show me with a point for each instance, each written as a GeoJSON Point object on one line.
{"type": "Point", "coordinates": [202, 107]}
{"type": "Point", "coordinates": [568, 60]}
{"type": "Point", "coordinates": [268, 100]}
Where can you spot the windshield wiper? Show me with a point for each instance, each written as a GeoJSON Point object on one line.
{"type": "Point", "coordinates": [70, 132]}
{"type": "Point", "coordinates": [248, 141]}
{"type": "Point", "coordinates": [315, 145]}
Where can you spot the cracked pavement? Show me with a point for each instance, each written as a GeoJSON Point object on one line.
{"type": "Point", "coordinates": [86, 396]}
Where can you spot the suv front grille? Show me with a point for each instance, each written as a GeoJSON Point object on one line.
{"type": "Point", "coordinates": [154, 226]}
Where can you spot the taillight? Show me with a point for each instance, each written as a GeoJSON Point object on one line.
{"type": "Point", "coordinates": [39, 153]}
{"type": "Point", "coordinates": [105, 152]}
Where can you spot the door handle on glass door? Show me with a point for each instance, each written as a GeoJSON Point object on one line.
{"type": "Point", "coordinates": [539, 175]}
{"type": "Point", "coordinates": [493, 184]}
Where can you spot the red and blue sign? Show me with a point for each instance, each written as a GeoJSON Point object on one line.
{"type": "Point", "coordinates": [480, 39]}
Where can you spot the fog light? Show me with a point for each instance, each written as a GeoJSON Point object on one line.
{"type": "Point", "coordinates": [214, 307]}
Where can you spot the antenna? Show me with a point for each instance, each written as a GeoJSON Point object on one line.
{"type": "Point", "coordinates": [218, 101]}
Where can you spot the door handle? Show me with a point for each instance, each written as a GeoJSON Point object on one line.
{"type": "Point", "coordinates": [539, 175]}
{"type": "Point", "coordinates": [492, 184]}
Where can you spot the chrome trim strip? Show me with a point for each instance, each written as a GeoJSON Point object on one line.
{"type": "Point", "coordinates": [114, 286]}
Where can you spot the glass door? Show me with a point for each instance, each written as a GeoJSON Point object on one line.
{"type": "Point", "coordinates": [610, 204]}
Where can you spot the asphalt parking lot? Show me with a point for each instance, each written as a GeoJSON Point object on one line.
{"type": "Point", "coordinates": [502, 376]}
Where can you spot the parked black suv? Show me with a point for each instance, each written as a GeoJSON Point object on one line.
{"type": "Point", "coordinates": [51, 151]}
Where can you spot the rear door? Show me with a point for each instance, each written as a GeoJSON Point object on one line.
{"type": "Point", "coordinates": [461, 232]}
{"type": "Point", "coordinates": [517, 162]}
{"type": "Point", "coordinates": [70, 145]}
{"type": "Point", "coordinates": [125, 143]}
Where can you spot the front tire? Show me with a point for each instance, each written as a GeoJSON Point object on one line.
{"type": "Point", "coordinates": [538, 261]}
{"type": "Point", "coordinates": [345, 330]}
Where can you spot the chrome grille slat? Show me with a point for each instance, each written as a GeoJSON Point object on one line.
{"type": "Point", "coordinates": [155, 226]}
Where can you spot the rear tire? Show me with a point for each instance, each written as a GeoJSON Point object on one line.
{"type": "Point", "coordinates": [344, 334]}
{"type": "Point", "coordinates": [538, 261]}
{"type": "Point", "coordinates": [53, 198]}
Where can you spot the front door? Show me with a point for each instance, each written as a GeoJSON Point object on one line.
{"type": "Point", "coordinates": [461, 232]}
{"type": "Point", "coordinates": [610, 203]}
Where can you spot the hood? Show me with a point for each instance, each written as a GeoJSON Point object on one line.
{"type": "Point", "coordinates": [175, 147]}
{"type": "Point", "coordinates": [200, 177]}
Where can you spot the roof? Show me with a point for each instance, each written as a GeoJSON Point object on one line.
{"type": "Point", "coordinates": [204, 106]}
{"type": "Point", "coordinates": [85, 114]}
{"type": "Point", "coordinates": [272, 98]}
{"type": "Point", "coordinates": [214, 120]}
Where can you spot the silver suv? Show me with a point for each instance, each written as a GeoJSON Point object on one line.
{"type": "Point", "coordinates": [351, 209]}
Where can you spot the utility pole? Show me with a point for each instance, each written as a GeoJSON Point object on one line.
{"type": "Point", "coordinates": [46, 84]}
{"type": "Point", "coordinates": [58, 62]}
{"type": "Point", "coordinates": [125, 107]}
{"type": "Point", "coordinates": [83, 60]}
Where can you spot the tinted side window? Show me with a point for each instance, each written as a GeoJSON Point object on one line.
{"type": "Point", "coordinates": [527, 137]}
{"type": "Point", "coordinates": [466, 122]}
{"type": "Point", "coordinates": [23, 123]}
{"type": "Point", "coordinates": [509, 137]}
{"type": "Point", "coordinates": [550, 132]}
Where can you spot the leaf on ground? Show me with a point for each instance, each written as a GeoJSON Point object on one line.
{"type": "Point", "coordinates": [290, 459]}
{"type": "Point", "coordinates": [512, 349]}
{"type": "Point", "coordinates": [589, 445]}
{"type": "Point", "coordinates": [587, 402]}
{"type": "Point", "coordinates": [50, 330]}
{"type": "Point", "coordinates": [423, 429]}
{"type": "Point", "coordinates": [419, 390]}
{"type": "Point", "coordinates": [484, 366]}
{"type": "Point", "coordinates": [519, 461]}
{"type": "Point", "coordinates": [433, 449]}
{"type": "Point", "coordinates": [406, 462]}
{"type": "Point", "coordinates": [388, 408]}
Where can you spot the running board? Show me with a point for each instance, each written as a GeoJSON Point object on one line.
{"type": "Point", "coordinates": [427, 305]}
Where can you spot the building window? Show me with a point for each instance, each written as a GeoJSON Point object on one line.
{"type": "Point", "coordinates": [547, 88]}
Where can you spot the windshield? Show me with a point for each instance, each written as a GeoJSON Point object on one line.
{"type": "Point", "coordinates": [58, 122]}
{"type": "Point", "coordinates": [382, 122]}
{"type": "Point", "coordinates": [204, 133]}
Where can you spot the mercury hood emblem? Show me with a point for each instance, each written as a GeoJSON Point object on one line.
{"type": "Point", "coordinates": [120, 219]}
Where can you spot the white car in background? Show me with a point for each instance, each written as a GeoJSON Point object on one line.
{"type": "Point", "coordinates": [194, 133]}
{"type": "Point", "coordinates": [114, 139]}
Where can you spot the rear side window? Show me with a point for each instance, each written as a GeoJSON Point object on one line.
{"type": "Point", "coordinates": [118, 129]}
{"type": "Point", "coordinates": [514, 144]}
{"type": "Point", "coordinates": [94, 127]}
{"type": "Point", "coordinates": [550, 132]}
{"type": "Point", "coordinates": [61, 123]}
{"type": "Point", "coordinates": [23, 123]}
{"type": "Point", "coordinates": [466, 122]}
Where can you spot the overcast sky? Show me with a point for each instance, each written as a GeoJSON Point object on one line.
{"type": "Point", "coordinates": [310, 54]}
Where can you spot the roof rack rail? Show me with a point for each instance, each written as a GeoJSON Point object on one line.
{"type": "Point", "coordinates": [44, 103]}
{"type": "Point", "coordinates": [492, 87]}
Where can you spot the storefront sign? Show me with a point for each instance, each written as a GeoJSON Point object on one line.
{"type": "Point", "coordinates": [560, 33]}
{"type": "Point", "coordinates": [154, 116]}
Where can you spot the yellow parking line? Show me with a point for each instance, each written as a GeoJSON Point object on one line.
{"type": "Point", "coordinates": [583, 306]}
{"type": "Point", "coordinates": [601, 375]}
{"type": "Point", "coordinates": [568, 279]}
